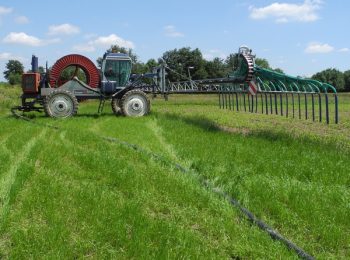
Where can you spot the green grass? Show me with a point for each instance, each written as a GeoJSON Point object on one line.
{"type": "Point", "coordinates": [68, 193]}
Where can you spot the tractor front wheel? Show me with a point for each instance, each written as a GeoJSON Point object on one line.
{"type": "Point", "coordinates": [60, 104]}
{"type": "Point", "coordinates": [135, 103]}
{"type": "Point", "coordinates": [116, 106]}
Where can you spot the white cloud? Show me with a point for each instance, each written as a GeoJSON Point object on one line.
{"type": "Point", "coordinates": [84, 48]}
{"type": "Point", "coordinates": [65, 28]}
{"type": "Point", "coordinates": [25, 39]}
{"type": "Point", "coordinates": [22, 19]}
{"type": "Point", "coordinates": [5, 10]}
{"type": "Point", "coordinates": [285, 12]}
{"type": "Point", "coordinates": [344, 50]}
{"type": "Point", "coordinates": [89, 36]}
{"type": "Point", "coordinates": [170, 31]}
{"type": "Point", "coordinates": [22, 38]}
{"type": "Point", "coordinates": [103, 42]}
{"type": "Point", "coordinates": [282, 20]}
{"type": "Point", "coordinates": [319, 48]}
{"type": "Point", "coordinates": [9, 56]}
{"type": "Point", "coordinates": [211, 54]}
{"type": "Point", "coordinates": [112, 39]}
{"type": "Point", "coordinates": [5, 56]}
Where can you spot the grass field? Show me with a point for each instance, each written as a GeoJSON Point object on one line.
{"type": "Point", "coordinates": [69, 193]}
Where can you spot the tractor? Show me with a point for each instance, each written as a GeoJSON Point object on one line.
{"type": "Point", "coordinates": [59, 97]}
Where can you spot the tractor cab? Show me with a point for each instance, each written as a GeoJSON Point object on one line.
{"type": "Point", "coordinates": [116, 70]}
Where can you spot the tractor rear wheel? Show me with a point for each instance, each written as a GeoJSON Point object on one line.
{"type": "Point", "coordinates": [60, 104]}
{"type": "Point", "coordinates": [116, 106]}
{"type": "Point", "coordinates": [135, 103]}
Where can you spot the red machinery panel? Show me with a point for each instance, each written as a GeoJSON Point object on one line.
{"type": "Point", "coordinates": [30, 82]}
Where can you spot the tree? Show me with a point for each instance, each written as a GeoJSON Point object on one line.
{"type": "Point", "coordinates": [182, 60]}
{"type": "Point", "coordinates": [279, 70]}
{"type": "Point", "coordinates": [347, 80]}
{"type": "Point", "coordinates": [41, 69]}
{"type": "Point", "coordinates": [230, 62]}
{"type": "Point", "coordinates": [15, 79]}
{"type": "Point", "coordinates": [150, 65]}
{"type": "Point", "coordinates": [13, 72]}
{"type": "Point", "coordinates": [331, 76]}
{"type": "Point", "coordinates": [263, 63]}
{"type": "Point", "coordinates": [215, 68]}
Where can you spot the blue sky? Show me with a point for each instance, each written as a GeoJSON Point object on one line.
{"type": "Point", "coordinates": [300, 36]}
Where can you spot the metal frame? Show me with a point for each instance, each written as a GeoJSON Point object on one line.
{"type": "Point", "coordinates": [286, 104]}
{"type": "Point", "coordinates": [278, 93]}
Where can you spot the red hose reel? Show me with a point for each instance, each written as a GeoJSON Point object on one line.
{"type": "Point", "coordinates": [91, 72]}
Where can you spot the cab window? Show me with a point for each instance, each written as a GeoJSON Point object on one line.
{"type": "Point", "coordinates": [118, 70]}
{"type": "Point", "coordinates": [111, 70]}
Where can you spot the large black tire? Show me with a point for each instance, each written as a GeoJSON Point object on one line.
{"type": "Point", "coordinates": [135, 103]}
{"type": "Point", "coordinates": [116, 106]}
{"type": "Point", "coordinates": [60, 104]}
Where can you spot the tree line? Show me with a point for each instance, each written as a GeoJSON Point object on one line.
{"type": "Point", "coordinates": [189, 63]}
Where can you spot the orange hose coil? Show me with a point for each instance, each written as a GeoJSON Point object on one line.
{"type": "Point", "coordinates": [89, 68]}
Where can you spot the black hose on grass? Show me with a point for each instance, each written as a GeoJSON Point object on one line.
{"type": "Point", "coordinates": [250, 216]}
{"type": "Point", "coordinates": [263, 226]}
{"type": "Point", "coordinates": [13, 111]}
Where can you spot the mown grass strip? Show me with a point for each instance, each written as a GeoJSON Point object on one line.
{"type": "Point", "coordinates": [298, 182]}
{"type": "Point", "coordinates": [297, 185]}
{"type": "Point", "coordinates": [118, 203]}
{"type": "Point", "coordinates": [148, 154]}
{"type": "Point", "coordinates": [207, 184]}
{"type": "Point", "coordinates": [9, 178]}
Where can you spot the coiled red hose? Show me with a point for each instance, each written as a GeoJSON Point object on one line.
{"type": "Point", "coordinates": [89, 68]}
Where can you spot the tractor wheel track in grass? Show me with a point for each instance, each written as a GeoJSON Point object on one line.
{"type": "Point", "coordinates": [158, 132]}
{"type": "Point", "coordinates": [154, 126]}
{"type": "Point", "coordinates": [8, 179]}
{"type": "Point", "coordinates": [171, 163]}
{"type": "Point", "coordinates": [207, 184]}
{"type": "Point", "coordinates": [2, 144]}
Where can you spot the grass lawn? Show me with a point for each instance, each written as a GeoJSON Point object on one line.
{"type": "Point", "coordinates": [69, 193]}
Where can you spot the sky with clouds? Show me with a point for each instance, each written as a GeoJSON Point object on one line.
{"type": "Point", "coordinates": [300, 36]}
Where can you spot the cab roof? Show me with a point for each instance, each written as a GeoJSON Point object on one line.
{"type": "Point", "coordinates": [116, 56]}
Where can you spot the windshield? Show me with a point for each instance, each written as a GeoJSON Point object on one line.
{"type": "Point", "coordinates": [118, 70]}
